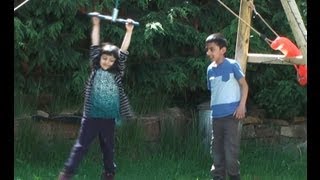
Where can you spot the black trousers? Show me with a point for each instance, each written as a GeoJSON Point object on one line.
{"type": "Point", "coordinates": [226, 135]}
{"type": "Point", "coordinates": [89, 130]}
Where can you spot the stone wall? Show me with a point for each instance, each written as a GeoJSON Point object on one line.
{"type": "Point", "coordinates": [255, 125]}
{"type": "Point", "coordinates": [63, 125]}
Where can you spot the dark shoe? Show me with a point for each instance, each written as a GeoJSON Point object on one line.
{"type": "Point", "coordinates": [218, 178]}
{"type": "Point", "coordinates": [236, 177]}
{"type": "Point", "coordinates": [107, 176]}
{"type": "Point", "coordinates": [64, 176]}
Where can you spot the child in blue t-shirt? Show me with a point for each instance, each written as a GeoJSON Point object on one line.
{"type": "Point", "coordinates": [105, 102]}
{"type": "Point", "coordinates": [229, 91]}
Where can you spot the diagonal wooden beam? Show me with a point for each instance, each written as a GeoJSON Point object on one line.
{"type": "Point", "coordinates": [297, 26]}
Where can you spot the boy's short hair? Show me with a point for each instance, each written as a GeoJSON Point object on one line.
{"type": "Point", "coordinates": [218, 39]}
{"type": "Point", "coordinates": [110, 49]}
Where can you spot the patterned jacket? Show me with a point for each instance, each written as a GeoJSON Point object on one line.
{"type": "Point", "coordinates": [125, 108]}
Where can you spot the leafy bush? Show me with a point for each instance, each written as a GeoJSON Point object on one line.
{"type": "Point", "coordinates": [277, 91]}
{"type": "Point", "coordinates": [167, 57]}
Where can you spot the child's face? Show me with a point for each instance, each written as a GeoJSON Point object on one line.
{"type": "Point", "coordinates": [106, 61]}
{"type": "Point", "coordinates": [214, 52]}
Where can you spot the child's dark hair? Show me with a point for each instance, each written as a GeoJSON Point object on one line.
{"type": "Point", "coordinates": [112, 50]}
{"type": "Point", "coordinates": [218, 39]}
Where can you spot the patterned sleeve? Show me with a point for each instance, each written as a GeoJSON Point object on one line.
{"type": "Point", "coordinates": [123, 55]}
{"type": "Point", "coordinates": [94, 54]}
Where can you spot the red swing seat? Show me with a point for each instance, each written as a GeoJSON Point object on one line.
{"type": "Point", "coordinates": [290, 50]}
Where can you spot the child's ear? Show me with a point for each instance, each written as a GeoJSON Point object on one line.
{"type": "Point", "coordinates": [223, 50]}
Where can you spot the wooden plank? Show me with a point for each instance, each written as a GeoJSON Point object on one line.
{"type": "Point", "coordinates": [243, 34]}
{"type": "Point", "coordinates": [297, 26]}
{"type": "Point", "coordinates": [274, 59]}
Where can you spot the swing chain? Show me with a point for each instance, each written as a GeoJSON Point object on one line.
{"type": "Point", "coordinates": [117, 3]}
{"type": "Point", "coordinates": [252, 6]}
{"type": "Point", "coordinates": [262, 36]}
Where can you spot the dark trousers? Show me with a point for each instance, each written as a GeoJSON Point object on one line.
{"type": "Point", "coordinates": [226, 134]}
{"type": "Point", "coordinates": [89, 130]}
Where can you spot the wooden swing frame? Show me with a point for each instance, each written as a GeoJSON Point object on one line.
{"type": "Point", "coordinates": [243, 37]}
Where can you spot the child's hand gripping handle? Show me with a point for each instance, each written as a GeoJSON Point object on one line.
{"type": "Point", "coordinates": [125, 21]}
{"type": "Point", "coordinates": [105, 17]}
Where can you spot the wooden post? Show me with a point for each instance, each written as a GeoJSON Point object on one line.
{"type": "Point", "coordinates": [297, 26]}
{"type": "Point", "coordinates": [243, 34]}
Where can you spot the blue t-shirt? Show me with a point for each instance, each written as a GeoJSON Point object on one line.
{"type": "Point", "coordinates": [222, 81]}
{"type": "Point", "coordinates": [105, 96]}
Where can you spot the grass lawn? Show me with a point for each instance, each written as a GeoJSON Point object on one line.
{"type": "Point", "coordinates": [173, 158]}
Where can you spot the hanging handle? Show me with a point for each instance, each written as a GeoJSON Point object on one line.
{"type": "Point", "coordinates": [110, 18]}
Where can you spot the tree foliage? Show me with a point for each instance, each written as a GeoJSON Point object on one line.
{"type": "Point", "coordinates": [167, 55]}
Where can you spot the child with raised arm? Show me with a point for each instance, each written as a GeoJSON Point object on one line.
{"type": "Point", "coordinates": [105, 102]}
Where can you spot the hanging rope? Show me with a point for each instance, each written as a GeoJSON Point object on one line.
{"type": "Point", "coordinates": [20, 5]}
{"type": "Point", "coordinates": [260, 34]}
{"type": "Point", "coordinates": [265, 22]}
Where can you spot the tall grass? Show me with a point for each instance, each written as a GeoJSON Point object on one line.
{"type": "Point", "coordinates": [265, 160]}
{"type": "Point", "coordinates": [144, 103]}
{"type": "Point", "coordinates": [130, 140]}
{"type": "Point", "coordinates": [183, 144]}
{"type": "Point", "coordinates": [31, 145]}
{"type": "Point", "coordinates": [173, 157]}
{"type": "Point", "coordinates": [22, 106]}
{"type": "Point", "coordinates": [176, 156]}
{"type": "Point", "coordinates": [53, 96]}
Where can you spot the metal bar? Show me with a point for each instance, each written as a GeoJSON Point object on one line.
{"type": "Point", "coordinates": [109, 18]}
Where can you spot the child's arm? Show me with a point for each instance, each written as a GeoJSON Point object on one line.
{"type": "Point", "coordinates": [241, 109]}
{"type": "Point", "coordinates": [124, 47]}
{"type": "Point", "coordinates": [95, 41]}
{"type": "Point", "coordinates": [127, 37]}
{"type": "Point", "coordinates": [95, 34]}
